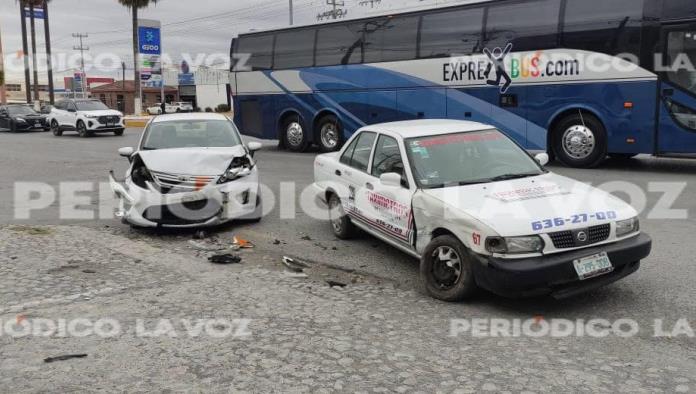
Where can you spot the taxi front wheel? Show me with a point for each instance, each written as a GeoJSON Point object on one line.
{"type": "Point", "coordinates": [446, 270]}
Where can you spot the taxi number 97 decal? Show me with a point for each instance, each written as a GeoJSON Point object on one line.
{"type": "Point", "coordinates": [574, 219]}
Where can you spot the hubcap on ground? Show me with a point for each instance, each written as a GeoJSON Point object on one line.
{"type": "Point", "coordinates": [447, 267]}
{"type": "Point", "coordinates": [329, 135]}
{"type": "Point", "coordinates": [295, 134]}
{"type": "Point", "coordinates": [579, 142]}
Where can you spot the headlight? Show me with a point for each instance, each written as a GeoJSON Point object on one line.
{"type": "Point", "coordinates": [240, 167]}
{"type": "Point", "coordinates": [626, 227]}
{"type": "Point", "coordinates": [515, 245]}
{"type": "Point", "coordinates": [140, 174]}
{"type": "Point", "coordinates": [91, 116]}
{"type": "Point", "coordinates": [20, 120]}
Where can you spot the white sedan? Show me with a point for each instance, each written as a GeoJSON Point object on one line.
{"type": "Point", "coordinates": [189, 170]}
{"type": "Point", "coordinates": [478, 211]}
{"type": "Point", "coordinates": [157, 109]}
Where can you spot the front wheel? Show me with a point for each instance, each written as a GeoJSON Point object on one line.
{"type": "Point", "coordinates": [119, 132]}
{"type": "Point", "coordinates": [330, 134]}
{"type": "Point", "coordinates": [13, 127]}
{"type": "Point", "coordinates": [82, 130]}
{"type": "Point", "coordinates": [446, 270]}
{"type": "Point", "coordinates": [294, 135]}
{"type": "Point", "coordinates": [580, 141]}
{"type": "Point", "coordinates": [55, 128]}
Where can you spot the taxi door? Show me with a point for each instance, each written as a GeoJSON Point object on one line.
{"type": "Point", "coordinates": [388, 209]}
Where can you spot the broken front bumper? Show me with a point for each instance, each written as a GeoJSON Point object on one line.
{"type": "Point", "coordinates": [209, 206]}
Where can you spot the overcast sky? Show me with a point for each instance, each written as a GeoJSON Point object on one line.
{"type": "Point", "coordinates": [203, 27]}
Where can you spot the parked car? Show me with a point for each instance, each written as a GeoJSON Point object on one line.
{"type": "Point", "coordinates": [478, 211]}
{"type": "Point", "coordinates": [20, 117]}
{"type": "Point", "coordinates": [85, 116]}
{"type": "Point", "coordinates": [157, 109]}
{"type": "Point", "coordinates": [182, 107]}
{"type": "Point", "coordinates": [189, 170]}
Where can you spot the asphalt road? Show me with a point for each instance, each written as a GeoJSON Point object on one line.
{"type": "Point", "coordinates": [664, 288]}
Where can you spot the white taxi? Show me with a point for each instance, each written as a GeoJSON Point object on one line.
{"type": "Point", "coordinates": [478, 211]}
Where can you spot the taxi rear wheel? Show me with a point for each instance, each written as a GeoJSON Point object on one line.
{"type": "Point", "coordinates": [341, 224]}
{"type": "Point", "coordinates": [446, 270]}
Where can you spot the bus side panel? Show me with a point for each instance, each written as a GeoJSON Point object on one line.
{"type": "Point", "coordinates": [424, 103]}
{"type": "Point", "coordinates": [607, 101]}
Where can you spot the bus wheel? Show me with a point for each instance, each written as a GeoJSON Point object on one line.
{"type": "Point", "coordinates": [580, 141]}
{"type": "Point", "coordinates": [294, 135]}
{"type": "Point", "coordinates": [330, 134]}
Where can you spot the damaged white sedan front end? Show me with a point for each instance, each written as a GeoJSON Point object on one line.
{"type": "Point", "coordinates": [188, 187]}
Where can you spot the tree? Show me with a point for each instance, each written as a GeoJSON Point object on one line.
{"type": "Point", "coordinates": [134, 6]}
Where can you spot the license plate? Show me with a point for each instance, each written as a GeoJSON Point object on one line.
{"type": "Point", "coordinates": [593, 266]}
{"type": "Point", "coordinates": [110, 124]}
{"type": "Point", "coordinates": [38, 124]}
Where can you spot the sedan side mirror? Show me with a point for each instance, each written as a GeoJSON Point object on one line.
{"type": "Point", "coordinates": [254, 147]}
{"type": "Point", "coordinates": [390, 179]}
{"type": "Point", "coordinates": [126, 152]}
{"type": "Point", "coordinates": [542, 158]}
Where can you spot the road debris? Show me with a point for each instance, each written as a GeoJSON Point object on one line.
{"type": "Point", "coordinates": [225, 259]}
{"type": "Point", "coordinates": [64, 357]}
{"type": "Point", "coordinates": [242, 243]}
{"type": "Point", "coordinates": [333, 283]}
{"type": "Point", "coordinates": [296, 275]}
{"type": "Point", "coordinates": [294, 265]}
{"type": "Point", "coordinates": [206, 246]}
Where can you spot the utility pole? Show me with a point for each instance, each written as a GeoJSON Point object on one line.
{"type": "Point", "coordinates": [49, 61]}
{"type": "Point", "coordinates": [291, 14]}
{"type": "Point", "coordinates": [33, 53]}
{"type": "Point", "coordinates": [3, 91]}
{"type": "Point", "coordinates": [25, 50]}
{"type": "Point", "coordinates": [82, 50]}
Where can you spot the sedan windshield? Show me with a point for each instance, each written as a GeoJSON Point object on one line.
{"type": "Point", "coordinates": [191, 134]}
{"type": "Point", "coordinates": [468, 158]}
{"type": "Point", "coordinates": [91, 105]}
{"type": "Point", "coordinates": [18, 110]}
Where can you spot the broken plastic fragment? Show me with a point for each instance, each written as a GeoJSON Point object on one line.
{"type": "Point", "coordinates": [225, 259]}
{"type": "Point", "coordinates": [242, 243]}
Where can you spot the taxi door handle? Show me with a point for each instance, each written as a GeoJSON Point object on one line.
{"type": "Point", "coordinates": [369, 186]}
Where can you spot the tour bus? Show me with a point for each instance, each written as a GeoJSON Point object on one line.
{"type": "Point", "coordinates": [581, 79]}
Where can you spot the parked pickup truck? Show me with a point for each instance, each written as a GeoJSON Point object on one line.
{"type": "Point", "coordinates": [478, 211]}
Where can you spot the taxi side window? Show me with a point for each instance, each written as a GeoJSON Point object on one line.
{"type": "Point", "coordinates": [358, 153]}
{"type": "Point", "coordinates": [387, 158]}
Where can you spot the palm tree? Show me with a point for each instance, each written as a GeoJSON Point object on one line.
{"type": "Point", "coordinates": [134, 6]}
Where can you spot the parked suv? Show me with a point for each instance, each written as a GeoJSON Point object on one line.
{"type": "Point", "coordinates": [86, 117]}
{"type": "Point", "coordinates": [182, 107]}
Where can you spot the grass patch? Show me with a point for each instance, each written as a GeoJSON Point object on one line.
{"type": "Point", "coordinates": [30, 230]}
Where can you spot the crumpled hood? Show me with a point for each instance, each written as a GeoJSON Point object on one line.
{"type": "Point", "coordinates": [510, 208]}
{"type": "Point", "coordinates": [191, 161]}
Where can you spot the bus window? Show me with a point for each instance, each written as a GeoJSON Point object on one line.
{"type": "Point", "coordinates": [680, 9]}
{"type": "Point", "coordinates": [260, 48]}
{"type": "Point", "coordinates": [451, 33]}
{"type": "Point", "coordinates": [391, 39]}
{"type": "Point", "coordinates": [529, 26]}
{"type": "Point", "coordinates": [681, 54]}
{"type": "Point", "coordinates": [339, 44]}
{"type": "Point", "coordinates": [294, 49]}
{"type": "Point", "coordinates": [610, 27]}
